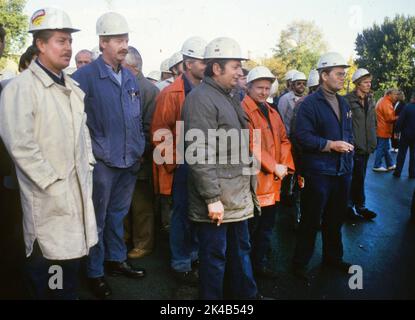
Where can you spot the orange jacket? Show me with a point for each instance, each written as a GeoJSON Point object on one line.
{"type": "Point", "coordinates": [275, 149]}
{"type": "Point", "coordinates": [385, 116]}
{"type": "Point", "coordinates": [168, 110]}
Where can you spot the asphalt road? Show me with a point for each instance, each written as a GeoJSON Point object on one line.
{"type": "Point", "coordinates": [384, 248]}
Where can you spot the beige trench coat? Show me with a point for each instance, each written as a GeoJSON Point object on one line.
{"type": "Point", "coordinates": [43, 126]}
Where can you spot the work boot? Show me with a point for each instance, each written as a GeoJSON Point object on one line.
{"type": "Point", "coordinates": [100, 287]}
{"type": "Point", "coordinates": [190, 278]}
{"type": "Point", "coordinates": [125, 269]}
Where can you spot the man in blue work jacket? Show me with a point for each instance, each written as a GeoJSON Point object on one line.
{"type": "Point", "coordinates": [324, 132]}
{"type": "Point", "coordinates": [112, 103]}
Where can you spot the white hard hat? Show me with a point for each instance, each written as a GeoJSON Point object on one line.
{"type": "Point", "coordinates": [154, 75]}
{"type": "Point", "coordinates": [260, 73]}
{"type": "Point", "coordinates": [224, 48]}
{"type": "Point", "coordinates": [360, 73]}
{"type": "Point", "coordinates": [175, 59]}
{"type": "Point", "coordinates": [313, 79]}
{"type": "Point", "coordinates": [331, 59]}
{"type": "Point", "coordinates": [111, 24]}
{"type": "Point", "coordinates": [194, 48]}
{"type": "Point", "coordinates": [50, 19]}
{"type": "Point", "coordinates": [164, 67]}
{"type": "Point", "coordinates": [95, 53]}
{"type": "Point", "coordinates": [274, 88]}
{"type": "Point", "coordinates": [299, 76]}
{"type": "Point", "coordinates": [289, 74]}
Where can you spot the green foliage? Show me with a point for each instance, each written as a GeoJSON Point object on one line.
{"type": "Point", "coordinates": [388, 52]}
{"type": "Point", "coordinates": [15, 24]}
{"type": "Point", "coordinates": [300, 46]}
{"type": "Point", "coordinates": [348, 83]}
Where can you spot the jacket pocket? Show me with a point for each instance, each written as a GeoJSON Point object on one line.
{"type": "Point", "coordinates": [235, 188]}
{"type": "Point", "coordinates": [54, 201]}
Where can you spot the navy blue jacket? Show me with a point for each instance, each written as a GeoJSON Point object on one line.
{"type": "Point", "coordinates": [317, 123]}
{"type": "Point", "coordinates": [406, 123]}
{"type": "Point", "coordinates": [114, 114]}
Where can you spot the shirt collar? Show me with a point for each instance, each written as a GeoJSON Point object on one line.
{"type": "Point", "coordinates": [59, 79]}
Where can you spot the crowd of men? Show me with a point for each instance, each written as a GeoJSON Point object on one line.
{"type": "Point", "coordinates": [84, 152]}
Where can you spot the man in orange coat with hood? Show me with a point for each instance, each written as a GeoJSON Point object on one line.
{"type": "Point", "coordinates": [275, 160]}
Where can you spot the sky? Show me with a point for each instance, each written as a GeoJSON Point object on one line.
{"type": "Point", "coordinates": [159, 27]}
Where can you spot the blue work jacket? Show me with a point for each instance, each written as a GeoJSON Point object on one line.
{"type": "Point", "coordinates": [114, 114]}
{"type": "Point", "coordinates": [316, 123]}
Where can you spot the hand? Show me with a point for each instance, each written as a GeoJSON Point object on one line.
{"type": "Point", "coordinates": [216, 212]}
{"type": "Point", "coordinates": [280, 171]}
{"type": "Point", "coordinates": [341, 146]}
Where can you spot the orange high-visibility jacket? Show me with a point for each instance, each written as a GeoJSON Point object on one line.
{"type": "Point", "coordinates": [168, 110]}
{"type": "Point", "coordinates": [275, 149]}
{"type": "Point", "coordinates": [385, 116]}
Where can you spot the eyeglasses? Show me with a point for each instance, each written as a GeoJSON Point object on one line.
{"type": "Point", "coordinates": [298, 83]}
{"type": "Point", "coordinates": [340, 74]}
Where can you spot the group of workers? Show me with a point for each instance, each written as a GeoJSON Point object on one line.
{"type": "Point", "coordinates": [86, 149]}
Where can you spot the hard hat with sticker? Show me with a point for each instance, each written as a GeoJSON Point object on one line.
{"type": "Point", "coordinates": [38, 17]}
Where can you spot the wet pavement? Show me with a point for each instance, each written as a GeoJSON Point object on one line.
{"type": "Point", "coordinates": [384, 248]}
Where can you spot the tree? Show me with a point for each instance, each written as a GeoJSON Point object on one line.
{"type": "Point", "coordinates": [348, 83]}
{"type": "Point", "coordinates": [388, 52]}
{"type": "Point", "coordinates": [300, 47]}
{"type": "Point", "coordinates": [15, 24]}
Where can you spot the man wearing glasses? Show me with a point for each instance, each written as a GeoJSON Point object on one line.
{"type": "Point", "coordinates": [324, 133]}
{"type": "Point", "coordinates": [288, 101]}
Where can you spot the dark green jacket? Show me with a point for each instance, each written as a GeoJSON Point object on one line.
{"type": "Point", "coordinates": [148, 94]}
{"type": "Point", "coordinates": [364, 124]}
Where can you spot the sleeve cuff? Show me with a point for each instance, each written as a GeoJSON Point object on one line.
{"type": "Point", "coordinates": [327, 148]}
{"type": "Point", "coordinates": [212, 200]}
{"type": "Point", "coordinates": [48, 181]}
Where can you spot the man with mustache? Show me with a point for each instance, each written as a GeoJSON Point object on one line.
{"type": "Point", "coordinates": [43, 127]}
{"type": "Point", "coordinates": [112, 103]}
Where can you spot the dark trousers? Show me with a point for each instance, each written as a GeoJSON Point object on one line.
{"type": "Point", "coordinates": [226, 246]}
{"type": "Point", "coordinates": [357, 192]}
{"type": "Point", "coordinates": [404, 145]}
{"type": "Point", "coordinates": [260, 229]}
{"type": "Point", "coordinates": [413, 206]}
{"type": "Point", "coordinates": [39, 273]}
{"type": "Point", "coordinates": [183, 238]}
{"type": "Point", "coordinates": [323, 199]}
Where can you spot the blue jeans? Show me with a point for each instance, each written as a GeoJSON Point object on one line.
{"type": "Point", "coordinates": [226, 246]}
{"type": "Point", "coordinates": [382, 151]}
{"type": "Point", "coordinates": [112, 195]}
{"type": "Point", "coordinates": [260, 229]}
{"type": "Point", "coordinates": [404, 145]}
{"type": "Point", "coordinates": [183, 240]}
